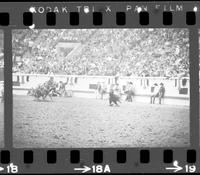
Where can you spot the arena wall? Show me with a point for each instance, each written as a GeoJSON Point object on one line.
{"type": "Point", "coordinates": [177, 89]}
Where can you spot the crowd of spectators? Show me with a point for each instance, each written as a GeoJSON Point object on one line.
{"type": "Point", "coordinates": [127, 52]}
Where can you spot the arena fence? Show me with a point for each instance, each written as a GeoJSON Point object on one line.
{"type": "Point", "coordinates": [177, 89]}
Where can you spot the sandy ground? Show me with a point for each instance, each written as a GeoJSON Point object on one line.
{"type": "Point", "coordinates": [1, 124]}
{"type": "Point", "coordinates": [78, 122]}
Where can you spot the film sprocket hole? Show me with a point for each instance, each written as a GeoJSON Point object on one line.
{"type": "Point", "coordinates": [99, 87]}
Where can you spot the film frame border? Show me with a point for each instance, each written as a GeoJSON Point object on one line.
{"type": "Point", "coordinates": [109, 153]}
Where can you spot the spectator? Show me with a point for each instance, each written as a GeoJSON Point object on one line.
{"type": "Point", "coordinates": [111, 52]}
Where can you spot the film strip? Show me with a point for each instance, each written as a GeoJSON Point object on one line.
{"type": "Point", "coordinates": [99, 87]}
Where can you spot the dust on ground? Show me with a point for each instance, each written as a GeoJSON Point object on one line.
{"type": "Point", "coordinates": [80, 123]}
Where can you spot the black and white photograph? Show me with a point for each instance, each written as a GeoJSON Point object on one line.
{"type": "Point", "coordinates": [92, 88]}
{"type": "Point", "coordinates": [1, 90]}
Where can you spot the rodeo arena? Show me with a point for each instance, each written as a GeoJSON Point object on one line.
{"type": "Point", "coordinates": [85, 88]}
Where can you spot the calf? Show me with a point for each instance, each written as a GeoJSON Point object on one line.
{"type": "Point", "coordinates": [113, 99]}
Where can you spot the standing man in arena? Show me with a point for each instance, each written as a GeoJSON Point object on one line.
{"type": "Point", "coordinates": [98, 90]}
{"type": "Point", "coordinates": [103, 89]}
{"type": "Point", "coordinates": [117, 90]}
{"type": "Point", "coordinates": [129, 91]}
{"type": "Point", "coordinates": [155, 93]}
{"type": "Point", "coordinates": [112, 97]}
{"type": "Point", "coordinates": [132, 91]}
{"type": "Point", "coordinates": [161, 92]}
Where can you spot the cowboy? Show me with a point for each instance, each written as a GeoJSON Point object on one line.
{"type": "Point", "coordinates": [129, 91]}
{"type": "Point", "coordinates": [155, 93]}
{"type": "Point", "coordinates": [112, 97]}
{"type": "Point", "coordinates": [161, 92]}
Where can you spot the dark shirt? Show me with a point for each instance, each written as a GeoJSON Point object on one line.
{"type": "Point", "coordinates": [162, 91]}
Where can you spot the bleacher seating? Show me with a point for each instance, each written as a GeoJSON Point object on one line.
{"type": "Point", "coordinates": [128, 52]}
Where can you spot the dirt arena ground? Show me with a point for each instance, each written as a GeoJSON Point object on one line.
{"type": "Point", "coordinates": [1, 124]}
{"type": "Point", "coordinates": [78, 122]}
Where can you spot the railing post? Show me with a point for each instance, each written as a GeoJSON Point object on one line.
{"type": "Point", "coordinates": [18, 78]}
{"type": "Point", "coordinates": [22, 79]}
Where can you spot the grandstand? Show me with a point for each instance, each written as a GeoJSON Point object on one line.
{"type": "Point", "coordinates": [105, 52]}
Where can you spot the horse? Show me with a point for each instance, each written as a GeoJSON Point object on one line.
{"type": "Point", "coordinates": [101, 90]}
{"type": "Point", "coordinates": [31, 92]}
{"type": "Point", "coordinates": [113, 98]}
{"type": "Point", "coordinates": [41, 92]}
{"type": "Point", "coordinates": [47, 92]}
